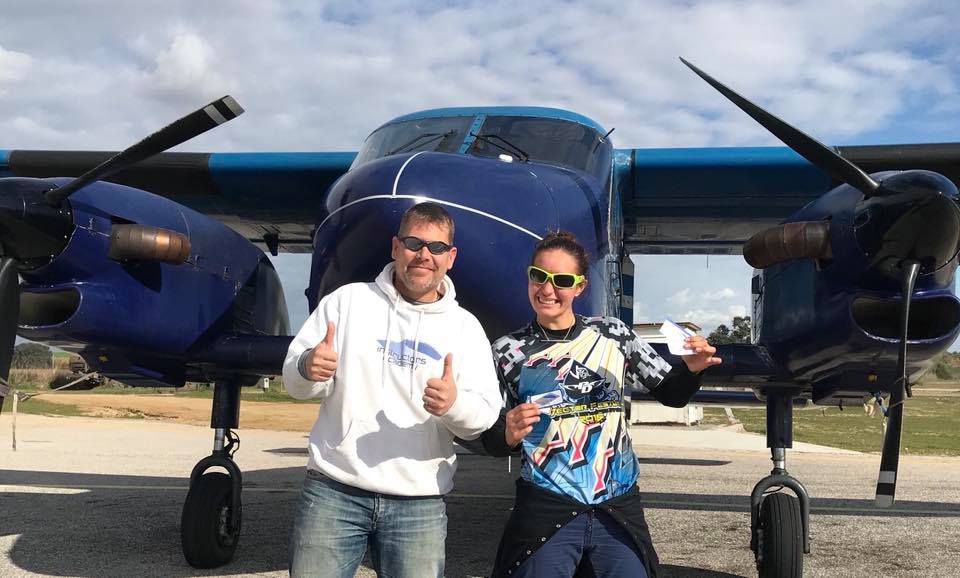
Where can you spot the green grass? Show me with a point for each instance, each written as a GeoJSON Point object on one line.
{"type": "Point", "coordinates": [274, 394]}
{"type": "Point", "coordinates": [931, 425]}
{"type": "Point", "coordinates": [37, 406]}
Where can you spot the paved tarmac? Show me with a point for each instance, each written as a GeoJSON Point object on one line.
{"type": "Point", "coordinates": [102, 497]}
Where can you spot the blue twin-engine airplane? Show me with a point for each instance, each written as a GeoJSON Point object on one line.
{"type": "Point", "coordinates": [855, 251]}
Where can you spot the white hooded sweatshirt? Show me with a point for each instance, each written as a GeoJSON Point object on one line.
{"type": "Point", "coordinates": [372, 431]}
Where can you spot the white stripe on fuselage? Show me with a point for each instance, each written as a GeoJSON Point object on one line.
{"type": "Point", "coordinates": [422, 198]}
{"type": "Point", "coordinates": [400, 172]}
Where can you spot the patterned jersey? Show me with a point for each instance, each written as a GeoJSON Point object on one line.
{"type": "Point", "coordinates": [581, 447]}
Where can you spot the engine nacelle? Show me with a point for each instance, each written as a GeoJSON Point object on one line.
{"type": "Point", "coordinates": [830, 314]}
{"type": "Point", "coordinates": [136, 315]}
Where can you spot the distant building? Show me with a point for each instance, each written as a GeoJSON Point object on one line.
{"type": "Point", "coordinates": [651, 331]}
{"type": "Point", "coordinates": [647, 412]}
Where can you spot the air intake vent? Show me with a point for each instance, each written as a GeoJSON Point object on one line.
{"type": "Point", "coordinates": [929, 318]}
{"type": "Point", "coordinates": [50, 308]}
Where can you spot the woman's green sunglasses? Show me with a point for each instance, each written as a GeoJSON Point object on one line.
{"type": "Point", "coordinates": [559, 280]}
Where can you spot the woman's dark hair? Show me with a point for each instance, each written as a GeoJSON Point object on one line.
{"type": "Point", "coordinates": [565, 241]}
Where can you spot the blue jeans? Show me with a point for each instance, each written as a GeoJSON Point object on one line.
{"type": "Point", "coordinates": [593, 535]}
{"type": "Point", "coordinates": [335, 522]}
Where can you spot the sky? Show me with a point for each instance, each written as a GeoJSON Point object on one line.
{"type": "Point", "coordinates": [319, 76]}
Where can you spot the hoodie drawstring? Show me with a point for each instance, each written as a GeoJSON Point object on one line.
{"type": "Point", "coordinates": [416, 349]}
{"type": "Point", "coordinates": [386, 342]}
{"type": "Point", "coordinates": [385, 283]}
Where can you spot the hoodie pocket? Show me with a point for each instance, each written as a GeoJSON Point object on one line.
{"type": "Point", "coordinates": [368, 444]}
{"type": "Point", "coordinates": [340, 450]}
{"type": "Point", "coordinates": [335, 440]}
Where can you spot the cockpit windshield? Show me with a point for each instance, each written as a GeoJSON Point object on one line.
{"type": "Point", "coordinates": [425, 134]}
{"type": "Point", "coordinates": [509, 137]}
{"type": "Point", "coordinates": [550, 140]}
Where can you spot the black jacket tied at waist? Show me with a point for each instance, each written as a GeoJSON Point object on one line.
{"type": "Point", "coordinates": [538, 514]}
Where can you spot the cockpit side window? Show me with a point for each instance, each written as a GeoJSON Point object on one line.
{"type": "Point", "coordinates": [425, 134]}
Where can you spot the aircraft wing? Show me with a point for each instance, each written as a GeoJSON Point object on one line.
{"type": "Point", "coordinates": [710, 200]}
{"type": "Point", "coordinates": [257, 194]}
{"type": "Point", "coordinates": [674, 201]}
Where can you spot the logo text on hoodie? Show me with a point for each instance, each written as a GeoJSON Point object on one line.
{"type": "Point", "coordinates": [406, 353]}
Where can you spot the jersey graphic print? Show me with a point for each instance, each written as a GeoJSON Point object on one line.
{"type": "Point", "coordinates": [580, 447]}
{"type": "Point", "coordinates": [581, 430]}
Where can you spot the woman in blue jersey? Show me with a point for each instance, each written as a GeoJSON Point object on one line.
{"type": "Point", "coordinates": [564, 377]}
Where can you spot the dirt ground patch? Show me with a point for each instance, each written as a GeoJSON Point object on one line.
{"type": "Point", "coordinates": [949, 389]}
{"type": "Point", "coordinates": [188, 410]}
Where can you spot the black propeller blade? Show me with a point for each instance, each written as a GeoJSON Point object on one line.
{"type": "Point", "coordinates": [179, 131]}
{"type": "Point", "coordinates": [806, 146]}
{"type": "Point", "coordinates": [9, 314]}
{"type": "Point", "coordinates": [890, 459]}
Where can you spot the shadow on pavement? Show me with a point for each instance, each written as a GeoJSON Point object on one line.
{"type": "Point", "coordinates": [670, 571]}
{"type": "Point", "coordinates": [128, 525]}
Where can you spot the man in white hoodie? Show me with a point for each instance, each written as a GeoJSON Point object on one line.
{"type": "Point", "coordinates": [401, 369]}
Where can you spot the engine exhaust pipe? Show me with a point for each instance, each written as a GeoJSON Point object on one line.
{"type": "Point", "coordinates": [144, 243]}
{"type": "Point", "coordinates": [787, 242]}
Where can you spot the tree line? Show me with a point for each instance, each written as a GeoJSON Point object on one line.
{"type": "Point", "coordinates": [32, 356]}
{"type": "Point", "coordinates": [738, 333]}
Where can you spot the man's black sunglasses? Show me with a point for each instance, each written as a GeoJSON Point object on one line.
{"type": "Point", "coordinates": [414, 244]}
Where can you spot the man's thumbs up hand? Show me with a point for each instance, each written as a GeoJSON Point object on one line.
{"type": "Point", "coordinates": [441, 392]}
{"type": "Point", "coordinates": [322, 361]}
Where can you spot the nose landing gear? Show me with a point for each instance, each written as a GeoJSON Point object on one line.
{"type": "Point", "coordinates": [212, 512]}
{"type": "Point", "coordinates": [779, 522]}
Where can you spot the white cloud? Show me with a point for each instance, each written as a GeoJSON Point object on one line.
{"type": "Point", "coordinates": [25, 124]}
{"type": "Point", "coordinates": [13, 65]}
{"type": "Point", "coordinates": [321, 76]}
{"type": "Point", "coordinates": [705, 317]}
{"type": "Point", "coordinates": [710, 318]}
{"type": "Point", "coordinates": [725, 293]}
{"type": "Point", "coordinates": [681, 297]}
{"type": "Point", "coordinates": [186, 68]}
{"type": "Point", "coordinates": [685, 296]}
{"type": "Point", "coordinates": [736, 311]}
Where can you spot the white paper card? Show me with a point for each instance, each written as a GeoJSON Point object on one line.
{"type": "Point", "coordinates": [546, 400]}
{"type": "Point", "coordinates": [675, 335]}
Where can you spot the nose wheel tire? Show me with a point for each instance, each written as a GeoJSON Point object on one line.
{"type": "Point", "coordinates": [209, 529]}
{"type": "Point", "coordinates": [780, 548]}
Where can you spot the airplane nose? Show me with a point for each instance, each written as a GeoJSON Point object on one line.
{"type": "Point", "coordinates": [499, 210]}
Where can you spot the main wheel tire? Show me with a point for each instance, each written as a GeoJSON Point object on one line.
{"type": "Point", "coordinates": [205, 533]}
{"type": "Point", "coordinates": [781, 537]}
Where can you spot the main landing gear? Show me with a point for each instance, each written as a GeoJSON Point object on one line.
{"type": "Point", "coordinates": [210, 524]}
{"type": "Point", "coordinates": [779, 522]}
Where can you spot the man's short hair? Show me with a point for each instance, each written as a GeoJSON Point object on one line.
{"type": "Point", "coordinates": [427, 212]}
